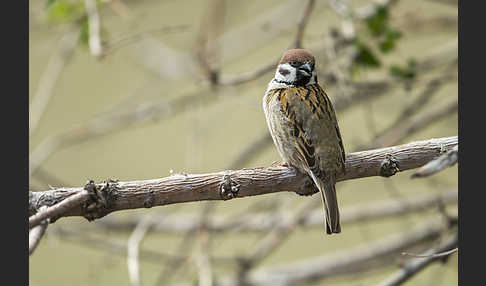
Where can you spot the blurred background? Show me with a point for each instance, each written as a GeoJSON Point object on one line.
{"type": "Point", "coordinates": [135, 90]}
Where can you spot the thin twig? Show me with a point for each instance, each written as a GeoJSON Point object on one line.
{"type": "Point", "coordinates": [276, 237]}
{"type": "Point", "coordinates": [133, 246]}
{"type": "Point", "coordinates": [255, 74]}
{"type": "Point", "coordinates": [302, 24]}
{"type": "Point", "coordinates": [416, 265]}
{"type": "Point", "coordinates": [449, 159]}
{"type": "Point", "coordinates": [353, 260]}
{"type": "Point", "coordinates": [404, 129]}
{"type": "Point", "coordinates": [440, 254]}
{"type": "Point", "coordinates": [51, 74]}
{"type": "Point", "coordinates": [248, 76]}
{"type": "Point", "coordinates": [429, 91]}
{"type": "Point", "coordinates": [202, 260]}
{"type": "Point", "coordinates": [36, 233]}
{"type": "Point", "coordinates": [114, 45]}
{"type": "Point", "coordinates": [185, 247]}
{"type": "Point", "coordinates": [94, 27]}
{"type": "Point", "coordinates": [105, 123]}
{"type": "Point", "coordinates": [118, 248]}
{"type": "Point", "coordinates": [59, 209]}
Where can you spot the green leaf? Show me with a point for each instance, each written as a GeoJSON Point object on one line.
{"type": "Point", "coordinates": [49, 4]}
{"type": "Point", "coordinates": [389, 43]}
{"type": "Point", "coordinates": [84, 36]}
{"type": "Point", "coordinates": [407, 72]}
{"type": "Point", "coordinates": [365, 56]}
{"type": "Point", "coordinates": [378, 21]}
{"type": "Point", "coordinates": [64, 11]}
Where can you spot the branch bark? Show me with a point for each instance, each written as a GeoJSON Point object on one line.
{"type": "Point", "coordinates": [36, 233]}
{"type": "Point", "coordinates": [449, 159]}
{"type": "Point", "coordinates": [115, 196]}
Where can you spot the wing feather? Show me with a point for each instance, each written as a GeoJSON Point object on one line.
{"type": "Point", "coordinates": [315, 98]}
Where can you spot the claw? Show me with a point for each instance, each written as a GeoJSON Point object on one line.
{"type": "Point", "coordinates": [281, 164]}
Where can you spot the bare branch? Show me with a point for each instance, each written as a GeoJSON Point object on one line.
{"type": "Point", "coordinates": [404, 129]}
{"type": "Point", "coordinates": [47, 82]}
{"type": "Point", "coordinates": [94, 27]}
{"type": "Point", "coordinates": [303, 23]}
{"type": "Point", "coordinates": [114, 45]}
{"type": "Point", "coordinates": [202, 260]}
{"type": "Point", "coordinates": [73, 200]}
{"type": "Point", "coordinates": [429, 91]}
{"type": "Point", "coordinates": [416, 265]}
{"type": "Point", "coordinates": [251, 222]}
{"type": "Point", "coordinates": [278, 235]}
{"type": "Point", "coordinates": [179, 188]}
{"type": "Point", "coordinates": [248, 76]}
{"type": "Point", "coordinates": [297, 43]}
{"type": "Point", "coordinates": [440, 254]}
{"type": "Point", "coordinates": [114, 247]}
{"type": "Point", "coordinates": [36, 233]}
{"type": "Point", "coordinates": [133, 249]}
{"type": "Point", "coordinates": [111, 122]}
{"type": "Point", "coordinates": [447, 160]}
{"type": "Point", "coordinates": [353, 260]}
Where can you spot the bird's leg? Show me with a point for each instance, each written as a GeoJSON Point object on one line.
{"type": "Point", "coordinates": [280, 164]}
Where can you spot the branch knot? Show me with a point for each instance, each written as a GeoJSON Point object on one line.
{"type": "Point", "coordinates": [389, 166]}
{"type": "Point", "coordinates": [228, 188]}
{"type": "Point", "coordinates": [100, 198]}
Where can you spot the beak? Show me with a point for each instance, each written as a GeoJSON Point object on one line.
{"type": "Point", "coordinates": [306, 69]}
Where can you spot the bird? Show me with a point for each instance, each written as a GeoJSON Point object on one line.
{"type": "Point", "coordinates": [304, 128]}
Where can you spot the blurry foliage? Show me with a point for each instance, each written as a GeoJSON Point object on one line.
{"type": "Point", "coordinates": [84, 36]}
{"type": "Point", "coordinates": [49, 3]}
{"type": "Point", "coordinates": [64, 10]}
{"type": "Point", "coordinates": [388, 43]}
{"type": "Point", "coordinates": [377, 22]}
{"type": "Point", "coordinates": [68, 11]}
{"type": "Point", "coordinates": [407, 72]}
{"type": "Point", "coordinates": [378, 33]}
{"type": "Point", "coordinates": [364, 56]}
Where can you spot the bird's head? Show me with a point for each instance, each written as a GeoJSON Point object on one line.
{"type": "Point", "coordinates": [296, 68]}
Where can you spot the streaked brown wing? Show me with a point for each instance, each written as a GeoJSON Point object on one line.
{"type": "Point", "coordinates": [321, 93]}
{"type": "Point", "coordinates": [318, 103]}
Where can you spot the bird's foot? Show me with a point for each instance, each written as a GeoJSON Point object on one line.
{"type": "Point", "coordinates": [280, 164]}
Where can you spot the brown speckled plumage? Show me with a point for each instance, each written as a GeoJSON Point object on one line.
{"type": "Point", "coordinates": [304, 128]}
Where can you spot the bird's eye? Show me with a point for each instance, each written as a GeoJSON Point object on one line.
{"type": "Point", "coordinates": [294, 63]}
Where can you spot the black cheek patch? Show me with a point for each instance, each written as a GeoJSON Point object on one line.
{"type": "Point", "coordinates": [283, 71]}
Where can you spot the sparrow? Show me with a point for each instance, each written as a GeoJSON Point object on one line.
{"type": "Point", "coordinates": [304, 128]}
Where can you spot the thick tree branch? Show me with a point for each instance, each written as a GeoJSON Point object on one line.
{"type": "Point", "coordinates": [115, 196]}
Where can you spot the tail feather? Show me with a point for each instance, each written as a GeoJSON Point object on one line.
{"type": "Point", "coordinates": [329, 202]}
